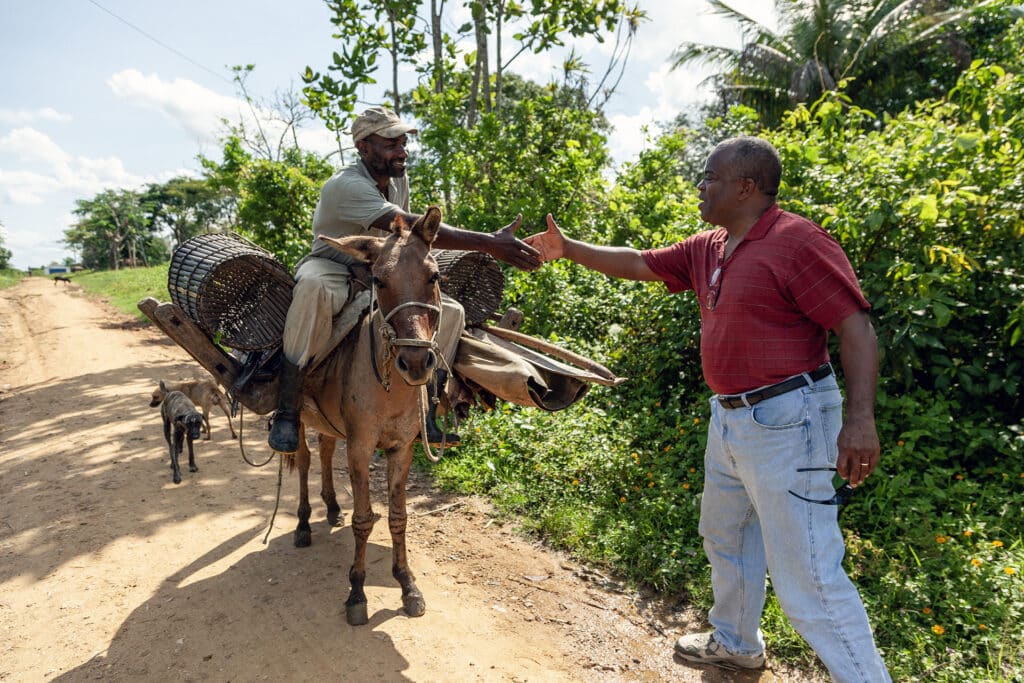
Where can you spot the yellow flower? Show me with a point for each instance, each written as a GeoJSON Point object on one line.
{"type": "Point", "coordinates": [668, 448]}
{"type": "Point", "coordinates": [1010, 570]}
{"type": "Point", "coordinates": [941, 539]}
{"type": "Point", "coordinates": [900, 442]}
{"type": "Point", "coordinates": [976, 562]}
{"type": "Point", "coordinates": [997, 544]}
{"type": "Point", "coordinates": [683, 431]}
{"type": "Point", "coordinates": [968, 533]}
{"type": "Point", "coordinates": [686, 486]}
{"type": "Point", "coordinates": [650, 475]}
{"type": "Point", "coordinates": [650, 485]}
{"type": "Point", "coordinates": [960, 477]}
{"type": "Point", "coordinates": [636, 488]}
{"type": "Point", "coordinates": [982, 627]}
{"type": "Point", "coordinates": [927, 610]}
{"type": "Point", "coordinates": [657, 404]}
{"type": "Point", "coordinates": [575, 482]}
{"type": "Point", "coordinates": [696, 420]}
{"type": "Point", "coordinates": [622, 499]}
{"type": "Point", "coordinates": [938, 630]}
{"type": "Point", "coordinates": [692, 470]}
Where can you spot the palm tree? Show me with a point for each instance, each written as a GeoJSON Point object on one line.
{"type": "Point", "coordinates": [824, 42]}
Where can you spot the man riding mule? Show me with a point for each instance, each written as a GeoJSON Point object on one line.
{"type": "Point", "coordinates": [370, 391]}
{"type": "Point", "coordinates": [366, 198]}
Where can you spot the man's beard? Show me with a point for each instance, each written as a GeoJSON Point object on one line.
{"type": "Point", "coordinates": [395, 169]}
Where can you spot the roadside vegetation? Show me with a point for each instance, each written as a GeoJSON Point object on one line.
{"type": "Point", "coordinates": [923, 189]}
{"type": "Point", "coordinates": [125, 288]}
{"type": "Point", "coordinates": [10, 276]}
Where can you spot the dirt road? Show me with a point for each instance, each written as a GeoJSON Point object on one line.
{"type": "Point", "coordinates": [110, 571]}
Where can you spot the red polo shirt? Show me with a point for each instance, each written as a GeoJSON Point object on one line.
{"type": "Point", "coordinates": [785, 285]}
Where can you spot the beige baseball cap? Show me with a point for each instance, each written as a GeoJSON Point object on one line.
{"type": "Point", "coordinates": [379, 121]}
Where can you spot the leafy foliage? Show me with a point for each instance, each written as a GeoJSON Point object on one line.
{"type": "Point", "coordinates": [927, 204]}
{"type": "Point", "coordinates": [886, 55]}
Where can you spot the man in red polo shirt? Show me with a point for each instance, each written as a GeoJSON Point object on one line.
{"type": "Point", "coordinates": [771, 285]}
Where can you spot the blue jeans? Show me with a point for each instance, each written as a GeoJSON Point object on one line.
{"type": "Point", "coordinates": [751, 525]}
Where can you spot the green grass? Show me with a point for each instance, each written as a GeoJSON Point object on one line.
{"type": "Point", "coordinates": [125, 288]}
{"type": "Point", "coordinates": [10, 277]}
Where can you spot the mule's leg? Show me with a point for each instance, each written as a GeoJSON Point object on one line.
{"type": "Point", "coordinates": [303, 536]}
{"type": "Point", "coordinates": [362, 524]}
{"type": "Point", "coordinates": [398, 474]}
{"type": "Point", "coordinates": [327, 444]}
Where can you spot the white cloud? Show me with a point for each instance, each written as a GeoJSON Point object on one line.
{"type": "Point", "coordinates": [18, 117]}
{"type": "Point", "coordinates": [31, 146]}
{"type": "Point", "coordinates": [198, 110]}
{"type": "Point", "coordinates": [46, 168]}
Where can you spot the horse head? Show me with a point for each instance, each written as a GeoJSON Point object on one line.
{"type": "Point", "coordinates": [405, 289]}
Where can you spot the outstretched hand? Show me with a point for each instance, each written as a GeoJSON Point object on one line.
{"type": "Point", "coordinates": [550, 244]}
{"type": "Point", "coordinates": [505, 247]}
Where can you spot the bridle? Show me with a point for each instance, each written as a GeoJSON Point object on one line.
{"type": "Point", "coordinates": [390, 339]}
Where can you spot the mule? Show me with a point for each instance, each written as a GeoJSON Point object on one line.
{"type": "Point", "coordinates": [371, 392]}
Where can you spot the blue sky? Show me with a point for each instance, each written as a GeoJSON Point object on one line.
{"type": "Point", "coordinates": [89, 102]}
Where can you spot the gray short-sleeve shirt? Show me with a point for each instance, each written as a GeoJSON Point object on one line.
{"type": "Point", "coordinates": [349, 203]}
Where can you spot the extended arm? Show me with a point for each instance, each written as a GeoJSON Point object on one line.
{"type": "Point", "coordinates": [501, 244]}
{"type": "Point", "coordinates": [622, 262]}
{"type": "Point", "coordinates": [858, 440]}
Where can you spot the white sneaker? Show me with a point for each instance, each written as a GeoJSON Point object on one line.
{"type": "Point", "coordinates": [704, 649]}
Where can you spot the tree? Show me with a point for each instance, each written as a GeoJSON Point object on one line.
{"type": "Point", "coordinates": [186, 207]}
{"type": "Point", "coordinates": [5, 253]}
{"type": "Point", "coordinates": [391, 26]}
{"type": "Point", "coordinates": [889, 53]}
{"type": "Point", "coordinates": [275, 199]}
{"type": "Point", "coordinates": [113, 230]}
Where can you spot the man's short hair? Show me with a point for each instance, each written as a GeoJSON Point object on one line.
{"type": "Point", "coordinates": [379, 121]}
{"type": "Point", "coordinates": [755, 158]}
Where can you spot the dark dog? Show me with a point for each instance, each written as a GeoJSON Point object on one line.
{"type": "Point", "coordinates": [61, 278]}
{"type": "Point", "coordinates": [203, 392]}
{"type": "Point", "coordinates": [181, 416]}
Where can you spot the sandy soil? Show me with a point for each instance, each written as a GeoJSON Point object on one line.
{"type": "Point", "coordinates": [110, 571]}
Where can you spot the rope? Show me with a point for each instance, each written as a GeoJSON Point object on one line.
{"type": "Point", "coordinates": [241, 446]}
{"type": "Point", "coordinates": [277, 501]}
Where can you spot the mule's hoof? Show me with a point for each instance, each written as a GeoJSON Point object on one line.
{"type": "Point", "coordinates": [176, 479]}
{"type": "Point", "coordinates": [335, 517]}
{"type": "Point", "coordinates": [356, 614]}
{"type": "Point", "coordinates": [193, 468]}
{"type": "Point", "coordinates": [415, 605]}
{"type": "Point", "coordinates": [303, 538]}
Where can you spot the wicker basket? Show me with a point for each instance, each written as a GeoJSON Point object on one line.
{"type": "Point", "coordinates": [472, 278]}
{"type": "Point", "coordinates": [235, 291]}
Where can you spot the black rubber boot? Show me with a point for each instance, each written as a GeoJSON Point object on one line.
{"type": "Point", "coordinates": [436, 391]}
{"type": "Point", "coordinates": [284, 434]}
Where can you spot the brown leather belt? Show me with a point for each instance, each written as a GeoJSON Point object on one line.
{"type": "Point", "coordinates": [786, 385]}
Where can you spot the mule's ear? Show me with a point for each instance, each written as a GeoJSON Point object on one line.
{"type": "Point", "coordinates": [399, 225]}
{"type": "Point", "coordinates": [363, 247]}
{"type": "Point", "coordinates": [428, 224]}
{"type": "Point", "coordinates": [163, 387]}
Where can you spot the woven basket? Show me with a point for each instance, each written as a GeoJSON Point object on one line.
{"type": "Point", "coordinates": [235, 291]}
{"type": "Point", "coordinates": [472, 278]}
